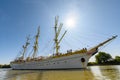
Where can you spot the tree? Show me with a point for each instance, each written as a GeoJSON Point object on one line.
{"type": "Point", "coordinates": [0, 65]}
{"type": "Point", "coordinates": [117, 58]}
{"type": "Point", "coordinates": [103, 57]}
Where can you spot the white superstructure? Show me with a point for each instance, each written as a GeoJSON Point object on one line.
{"type": "Point", "coordinates": [69, 60]}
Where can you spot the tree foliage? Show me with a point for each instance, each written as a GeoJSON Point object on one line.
{"type": "Point", "coordinates": [5, 66]}
{"type": "Point", "coordinates": [117, 58]}
{"type": "Point", "coordinates": [103, 57]}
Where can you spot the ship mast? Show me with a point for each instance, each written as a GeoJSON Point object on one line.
{"type": "Point", "coordinates": [57, 32]}
{"type": "Point", "coordinates": [35, 47]}
{"type": "Point", "coordinates": [25, 47]}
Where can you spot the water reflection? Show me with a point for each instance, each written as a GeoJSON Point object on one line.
{"type": "Point", "coordinates": [92, 73]}
{"type": "Point", "coordinates": [110, 72]}
{"type": "Point", "coordinates": [22, 75]}
{"type": "Point", "coordinates": [106, 72]}
{"type": "Point", "coordinates": [2, 73]}
{"type": "Point", "coordinates": [50, 75]}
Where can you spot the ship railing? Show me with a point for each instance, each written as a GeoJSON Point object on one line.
{"type": "Point", "coordinates": [84, 50]}
{"type": "Point", "coordinates": [70, 52]}
{"type": "Point", "coordinates": [18, 61]}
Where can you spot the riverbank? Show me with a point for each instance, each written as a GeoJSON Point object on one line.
{"type": "Point", "coordinates": [102, 64]}
{"type": "Point", "coordinates": [5, 66]}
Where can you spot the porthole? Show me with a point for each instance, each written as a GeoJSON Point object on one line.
{"type": "Point", "coordinates": [82, 59]}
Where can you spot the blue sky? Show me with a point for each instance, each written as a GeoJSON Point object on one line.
{"type": "Point", "coordinates": [95, 21]}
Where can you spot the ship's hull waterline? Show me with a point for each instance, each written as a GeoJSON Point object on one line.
{"type": "Point", "coordinates": [66, 62]}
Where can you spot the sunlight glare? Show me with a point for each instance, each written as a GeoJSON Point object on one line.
{"type": "Point", "coordinates": [70, 22]}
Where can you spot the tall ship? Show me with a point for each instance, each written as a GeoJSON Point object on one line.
{"type": "Point", "coordinates": [69, 60]}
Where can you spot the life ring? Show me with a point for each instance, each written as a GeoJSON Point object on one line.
{"type": "Point", "coordinates": [82, 59]}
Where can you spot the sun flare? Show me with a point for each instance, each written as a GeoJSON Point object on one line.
{"type": "Point", "coordinates": [70, 22]}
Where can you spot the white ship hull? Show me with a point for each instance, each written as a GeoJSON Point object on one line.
{"type": "Point", "coordinates": [65, 62]}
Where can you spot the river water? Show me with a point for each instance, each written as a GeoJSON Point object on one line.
{"type": "Point", "coordinates": [91, 73]}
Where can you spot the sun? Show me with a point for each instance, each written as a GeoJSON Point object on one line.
{"type": "Point", "coordinates": [70, 22]}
